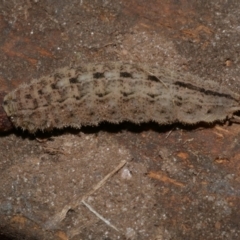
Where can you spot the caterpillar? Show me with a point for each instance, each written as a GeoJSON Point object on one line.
{"type": "Point", "coordinates": [117, 92]}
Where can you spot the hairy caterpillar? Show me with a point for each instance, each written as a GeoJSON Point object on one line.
{"type": "Point", "coordinates": [116, 92]}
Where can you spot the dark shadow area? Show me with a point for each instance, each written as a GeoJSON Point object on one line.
{"type": "Point", "coordinates": [3, 237]}
{"type": "Point", "coordinates": [110, 127]}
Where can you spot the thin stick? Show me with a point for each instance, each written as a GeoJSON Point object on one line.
{"type": "Point", "coordinates": [103, 181]}
{"type": "Point", "coordinates": [99, 216]}
{"type": "Point", "coordinates": [57, 218]}
{"type": "Point", "coordinates": [168, 134]}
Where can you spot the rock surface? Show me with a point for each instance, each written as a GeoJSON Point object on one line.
{"type": "Point", "coordinates": [176, 182]}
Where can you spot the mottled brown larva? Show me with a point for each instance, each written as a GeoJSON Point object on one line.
{"type": "Point", "coordinates": [116, 92]}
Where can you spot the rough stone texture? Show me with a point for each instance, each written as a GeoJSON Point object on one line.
{"type": "Point", "coordinates": [178, 183]}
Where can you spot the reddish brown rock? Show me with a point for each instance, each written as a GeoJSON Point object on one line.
{"type": "Point", "coordinates": [178, 182]}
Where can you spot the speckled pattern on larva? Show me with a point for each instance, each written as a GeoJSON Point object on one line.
{"type": "Point", "coordinates": [116, 92]}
